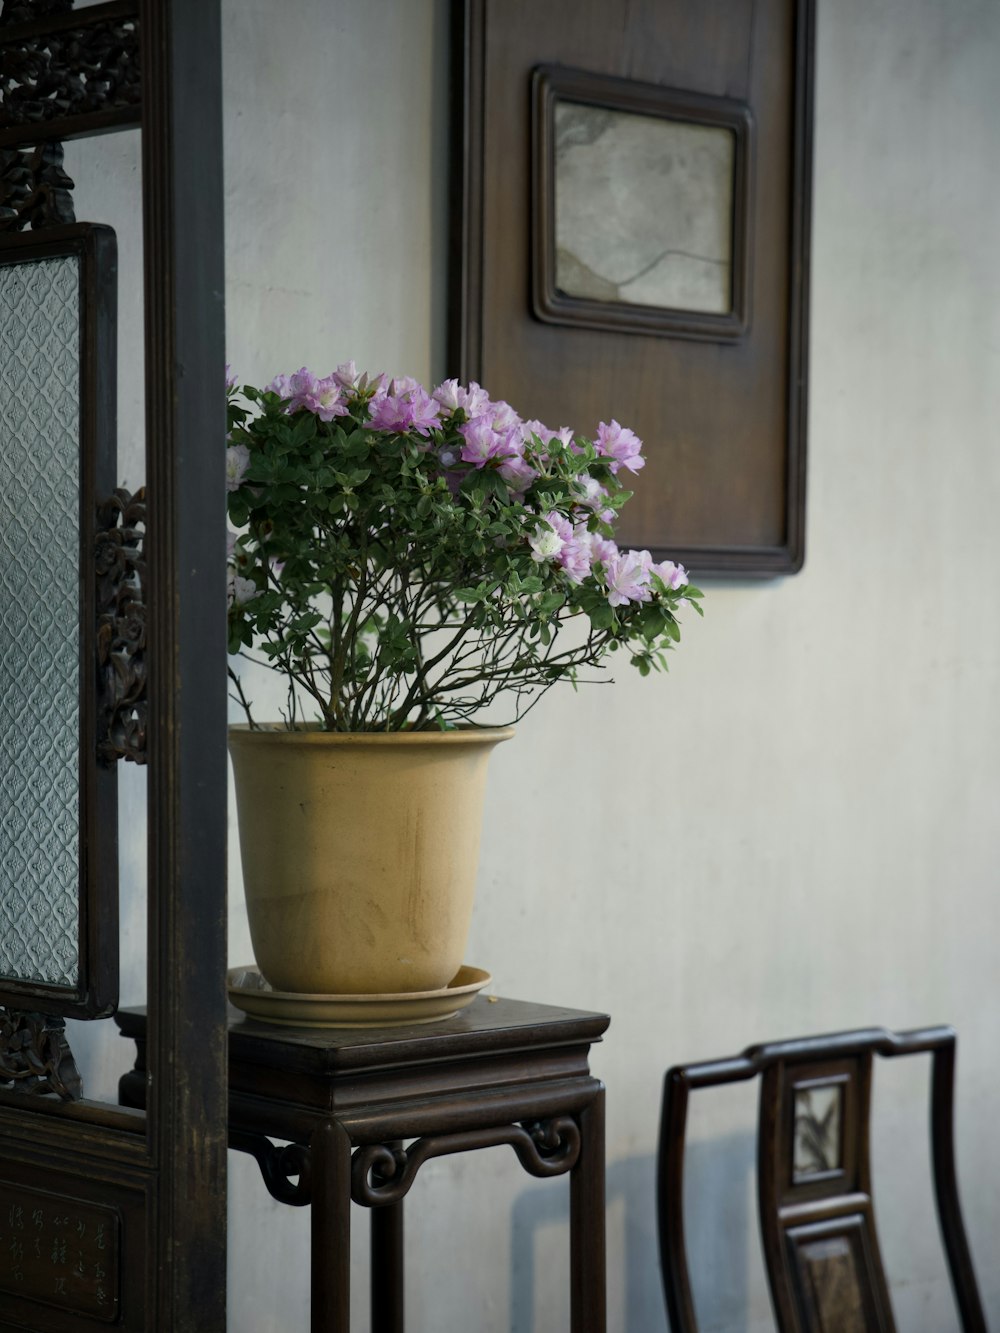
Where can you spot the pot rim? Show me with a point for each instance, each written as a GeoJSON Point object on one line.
{"type": "Point", "coordinates": [275, 733]}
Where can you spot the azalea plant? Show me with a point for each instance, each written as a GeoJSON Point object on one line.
{"type": "Point", "coordinates": [406, 558]}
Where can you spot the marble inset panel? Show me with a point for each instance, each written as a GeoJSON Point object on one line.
{"type": "Point", "coordinates": [643, 209]}
{"type": "Point", "coordinates": [816, 1143]}
{"type": "Point", "coordinates": [834, 1283]}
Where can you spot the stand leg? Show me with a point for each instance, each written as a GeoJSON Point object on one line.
{"type": "Point", "coordinates": [387, 1268]}
{"type": "Point", "coordinates": [588, 1298]}
{"type": "Point", "coordinates": [330, 1153]}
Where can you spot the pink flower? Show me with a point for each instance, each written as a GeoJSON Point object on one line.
{"type": "Point", "coordinates": [503, 417]}
{"type": "Point", "coordinates": [673, 576]}
{"type": "Point", "coordinates": [446, 394]}
{"type": "Point", "coordinates": [627, 577]}
{"type": "Point", "coordinates": [621, 445]}
{"type": "Point", "coordinates": [231, 380]}
{"type": "Point", "coordinates": [346, 375]}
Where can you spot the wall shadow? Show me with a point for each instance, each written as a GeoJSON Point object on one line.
{"type": "Point", "coordinates": [723, 1246]}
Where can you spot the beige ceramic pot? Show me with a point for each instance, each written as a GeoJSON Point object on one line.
{"type": "Point", "coordinates": [360, 854]}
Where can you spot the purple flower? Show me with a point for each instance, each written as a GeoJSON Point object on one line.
{"type": "Point", "coordinates": [237, 462]}
{"type": "Point", "coordinates": [301, 383]}
{"type": "Point", "coordinates": [474, 401]}
{"type": "Point", "coordinates": [231, 379]}
{"type": "Point", "coordinates": [576, 554]}
{"type": "Point", "coordinates": [529, 428]}
{"type": "Point", "coordinates": [602, 549]}
{"type": "Point", "coordinates": [320, 396]}
{"type": "Point", "coordinates": [621, 445]}
{"type": "Point", "coordinates": [327, 401]}
{"type": "Point", "coordinates": [409, 409]}
{"type": "Point", "coordinates": [346, 375]}
{"type": "Point", "coordinates": [281, 385]}
{"type": "Point", "coordinates": [627, 577]}
{"type": "Point", "coordinates": [518, 473]}
{"type": "Point", "coordinates": [483, 443]}
{"type": "Point", "coordinates": [673, 576]}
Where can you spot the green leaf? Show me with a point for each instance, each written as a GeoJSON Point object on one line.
{"type": "Point", "coordinates": [602, 616]}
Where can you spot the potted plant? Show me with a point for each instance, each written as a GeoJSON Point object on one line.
{"type": "Point", "coordinates": [405, 560]}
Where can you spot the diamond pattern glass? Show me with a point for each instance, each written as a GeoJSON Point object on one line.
{"type": "Point", "coordinates": [40, 620]}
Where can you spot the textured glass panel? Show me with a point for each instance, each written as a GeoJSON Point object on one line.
{"type": "Point", "coordinates": [644, 209]}
{"type": "Point", "coordinates": [39, 620]}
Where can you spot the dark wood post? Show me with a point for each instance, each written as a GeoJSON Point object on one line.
{"type": "Point", "coordinates": [588, 1295]}
{"type": "Point", "coordinates": [185, 432]}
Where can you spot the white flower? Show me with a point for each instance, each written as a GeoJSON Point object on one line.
{"type": "Point", "coordinates": [545, 542]}
{"type": "Point", "coordinates": [237, 462]}
{"type": "Point", "coordinates": [239, 590]}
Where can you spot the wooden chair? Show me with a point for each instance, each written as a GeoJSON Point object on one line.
{"type": "Point", "coordinates": [813, 1179]}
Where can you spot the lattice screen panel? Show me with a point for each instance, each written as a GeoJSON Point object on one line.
{"type": "Point", "coordinates": [40, 620]}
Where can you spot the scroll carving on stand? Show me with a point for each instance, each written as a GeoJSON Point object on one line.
{"type": "Point", "coordinates": [279, 1166]}
{"type": "Point", "coordinates": [383, 1173]}
{"type": "Point", "coordinates": [121, 627]}
{"type": "Point", "coordinates": [35, 1056]}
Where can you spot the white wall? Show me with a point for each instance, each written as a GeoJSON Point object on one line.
{"type": "Point", "coordinates": [793, 832]}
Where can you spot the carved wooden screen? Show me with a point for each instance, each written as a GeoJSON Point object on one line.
{"type": "Point", "coordinates": [58, 816]}
{"type": "Point", "coordinates": [109, 1217]}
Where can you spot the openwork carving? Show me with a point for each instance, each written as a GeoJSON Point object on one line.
{"type": "Point", "coordinates": [383, 1173]}
{"type": "Point", "coordinates": [80, 64]}
{"type": "Point", "coordinates": [35, 1056]}
{"type": "Point", "coordinates": [34, 188]}
{"type": "Point", "coordinates": [25, 11]}
{"type": "Point", "coordinates": [278, 1164]}
{"type": "Point", "coordinates": [121, 627]}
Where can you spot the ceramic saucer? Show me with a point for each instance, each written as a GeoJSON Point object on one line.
{"type": "Point", "coordinates": [250, 992]}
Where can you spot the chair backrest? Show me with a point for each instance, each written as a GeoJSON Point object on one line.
{"type": "Point", "coordinates": [814, 1180]}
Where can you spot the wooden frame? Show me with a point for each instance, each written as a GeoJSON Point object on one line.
{"type": "Point", "coordinates": [552, 84]}
{"type": "Point", "coordinates": [721, 405]}
{"type": "Point", "coordinates": [165, 1170]}
{"type": "Point", "coordinates": [96, 991]}
{"type": "Point", "coordinates": [798, 1215]}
